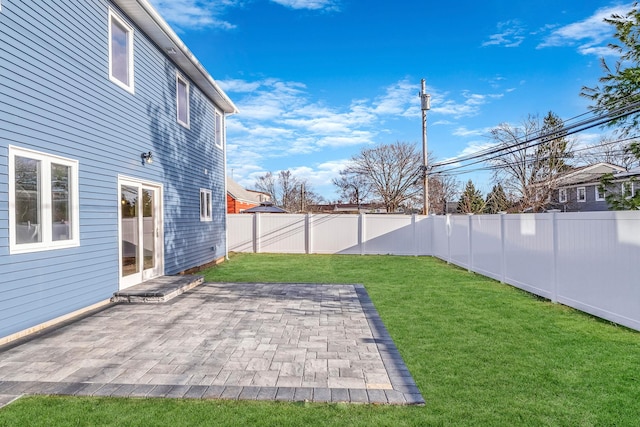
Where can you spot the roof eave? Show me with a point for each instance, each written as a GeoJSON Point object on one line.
{"type": "Point", "coordinates": [156, 28]}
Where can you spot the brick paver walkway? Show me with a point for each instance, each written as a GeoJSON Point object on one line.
{"type": "Point", "coordinates": [323, 343]}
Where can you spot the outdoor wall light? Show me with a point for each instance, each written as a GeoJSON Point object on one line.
{"type": "Point", "coordinates": [147, 158]}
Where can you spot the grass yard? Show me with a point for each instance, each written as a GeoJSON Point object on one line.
{"type": "Point", "coordinates": [482, 353]}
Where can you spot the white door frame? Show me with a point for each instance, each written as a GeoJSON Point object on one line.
{"type": "Point", "coordinates": [158, 215]}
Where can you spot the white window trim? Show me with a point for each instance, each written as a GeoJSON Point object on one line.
{"type": "Point", "coordinates": [47, 242]}
{"type": "Point", "coordinates": [584, 191]}
{"type": "Point", "coordinates": [130, 87]}
{"type": "Point", "coordinates": [598, 198]}
{"type": "Point", "coordinates": [219, 129]}
{"type": "Point", "coordinates": [562, 195]}
{"type": "Point", "coordinates": [181, 79]}
{"type": "Point", "coordinates": [205, 214]}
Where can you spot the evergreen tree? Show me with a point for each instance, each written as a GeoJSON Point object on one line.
{"type": "Point", "coordinates": [628, 198]}
{"type": "Point", "coordinates": [496, 200]}
{"type": "Point", "coordinates": [471, 200]}
{"type": "Point", "coordinates": [619, 89]}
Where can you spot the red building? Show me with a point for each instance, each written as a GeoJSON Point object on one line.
{"type": "Point", "coordinates": [239, 199]}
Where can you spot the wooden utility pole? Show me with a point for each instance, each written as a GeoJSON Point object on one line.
{"type": "Point", "coordinates": [425, 105]}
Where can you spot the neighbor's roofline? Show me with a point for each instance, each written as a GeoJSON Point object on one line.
{"type": "Point", "coordinates": [157, 29]}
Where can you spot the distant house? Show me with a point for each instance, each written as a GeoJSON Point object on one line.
{"type": "Point", "coordinates": [112, 139]}
{"type": "Point", "coordinates": [578, 190]}
{"type": "Point", "coordinates": [240, 199]}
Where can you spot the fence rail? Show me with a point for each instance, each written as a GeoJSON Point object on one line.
{"type": "Point", "coordinates": [586, 260]}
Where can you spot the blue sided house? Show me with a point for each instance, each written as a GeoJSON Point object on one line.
{"type": "Point", "coordinates": [112, 156]}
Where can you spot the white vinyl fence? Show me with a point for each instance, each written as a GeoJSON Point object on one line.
{"type": "Point", "coordinates": [588, 260]}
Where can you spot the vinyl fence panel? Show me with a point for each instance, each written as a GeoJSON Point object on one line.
{"type": "Point", "coordinates": [486, 240]}
{"type": "Point", "coordinates": [459, 240]}
{"type": "Point", "coordinates": [335, 234]}
{"type": "Point", "coordinates": [528, 253]}
{"type": "Point", "coordinates": [282, 233]}
{"type": "Point", "coordinates": [241, 233]}
{"type": "Point", "coordinates": [441, 230]}
{"type": "Point", "coordinates": [389, 234]}
{"type": "Point", "coordinates": [597, 264]}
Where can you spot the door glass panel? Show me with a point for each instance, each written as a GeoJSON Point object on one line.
{"type": "Point", "coordinates": [148, 228]}
{"type": "Point", "coordinates": [129, 226]}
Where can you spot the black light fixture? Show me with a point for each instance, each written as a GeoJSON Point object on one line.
{"type": "Point", "coordinates": [147, 158]}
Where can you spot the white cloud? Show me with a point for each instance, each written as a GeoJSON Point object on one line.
{"type": "Point", "coordinates": [475, 147]}
{"type": "Point", "coordinates": [589, 35]}
{"type": "Point", "coordinates": [510, 34]}
{"type": "Point", "coordinates": [195, 13]}
{"type": "Point", "coordinates": [309, 4]}
{"type": "Point", "coordinates": [442, 122]}
{"type": "Point", "coordinates": [469, 107]}
{"type": "Point", "coordinates": [238, 86]}
{"type": "Point", "coordinates": [277, 119]}
{"type": "Point", "coordinates": [398, 99]}
{"type": "Point", "coordinates": [464, 132]}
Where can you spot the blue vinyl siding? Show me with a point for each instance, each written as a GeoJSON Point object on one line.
{"type": "Point", "coordinates": [56, 98]}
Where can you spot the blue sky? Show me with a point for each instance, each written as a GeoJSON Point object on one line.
{"type": "Point", "coordinates": [318, 80]}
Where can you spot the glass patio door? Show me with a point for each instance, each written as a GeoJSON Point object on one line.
{"type": "Point", "coordinates": [140, 231]}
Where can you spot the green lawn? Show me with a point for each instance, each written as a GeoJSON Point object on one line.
{"type": "Point", "coordinates": [481, 352]}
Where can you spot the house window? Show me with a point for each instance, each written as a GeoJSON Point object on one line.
{"type": "Point", "coordinates": [120, 52]}
{"type": "Point", "coordinates": [600, 193]}
{"type": "Point", "coordinates": [219, 133]}
{"type": "Point", "coordinates": [562, 195]}
{"type": "Point", "coordinates": [581, 194]}
{"type": "Point", "coordinates": [43, 201]}
{"type": "Point", "coordinates": [182, 100]}
{"type": "Point", "coordinates": [205, 205]}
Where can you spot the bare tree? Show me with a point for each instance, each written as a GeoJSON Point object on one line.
{"type": "Point", "coordinates": [534, 155]}
{"type": "Point", "coordinates": [287, 191]}
{"type": "Point", "coordinates": [610, 149]}
{"type": "Point", "coordinates": [267, 184]}
{"type": "Point", "coordinates": [393, 171]}
{"type": "Point", "coordinates": [442, 189]}
{"type": "Point", "coordinates": [352, 187]}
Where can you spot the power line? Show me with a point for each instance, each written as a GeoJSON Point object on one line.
{"type": "Point", "coordinates": [459, 170]}
{"type": "Point", "coordinates": [541, 138]}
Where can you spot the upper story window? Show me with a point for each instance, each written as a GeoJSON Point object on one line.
{"type": "Point", "coordinates": [581, 194]}
{"type": "Point", "coordinates": [562, 195]}
{"type": "Point", "coordinates": [120, 52]}
{"type": "Point", "coordinates": [182, 100]}
{"type": "Point", "coordinates": [219, 131]}
{"type": "Point", "coordinates": [205, 205]}
{"type": "Point", "coordinates": [43, 201]}
{"type": "Point", "coordinates": [600, 193]}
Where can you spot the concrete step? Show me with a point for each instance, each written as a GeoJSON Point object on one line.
{"type": "Point", "coordinates": [158, 290]}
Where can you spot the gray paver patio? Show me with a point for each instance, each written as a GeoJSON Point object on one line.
{"type": "Point", "coordinates": [254, 341]}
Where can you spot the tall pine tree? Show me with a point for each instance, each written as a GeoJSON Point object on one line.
{"type": "Point", "coordinates": [496, 200]}
{"type": "Point", "coordinates": [471, 200]}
